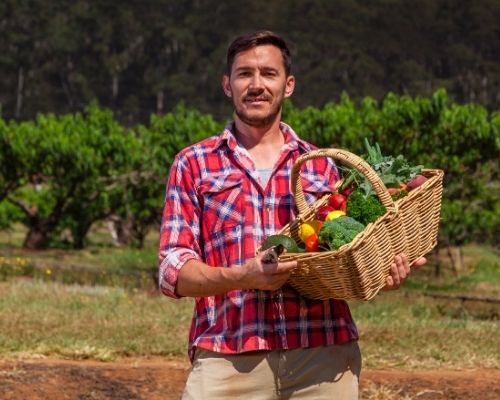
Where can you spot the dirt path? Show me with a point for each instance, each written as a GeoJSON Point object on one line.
{"type": "Point", "coordinates": [159, 378]}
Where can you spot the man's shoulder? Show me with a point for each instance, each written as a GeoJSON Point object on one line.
{"type": "Point", "coordinates": [200, 148]}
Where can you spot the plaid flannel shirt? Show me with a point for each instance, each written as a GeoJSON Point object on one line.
{"type": "Point", "coordinates": [217, 211]}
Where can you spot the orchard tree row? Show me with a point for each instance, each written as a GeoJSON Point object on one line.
{"type": "Point", "coordinates": [61, 174]}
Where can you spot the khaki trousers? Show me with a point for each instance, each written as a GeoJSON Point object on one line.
{"type": "Point", "coordinates": [330, 372]}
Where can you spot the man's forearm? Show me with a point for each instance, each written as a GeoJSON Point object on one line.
{"type": "Point", "coordinates": [196, 279]}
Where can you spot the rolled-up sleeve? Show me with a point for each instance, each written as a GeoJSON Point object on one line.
{"type": "Point", "coordinates": [179, 234]}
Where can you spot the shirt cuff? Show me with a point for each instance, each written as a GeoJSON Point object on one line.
{"type": "Point", "coordinates": [170, 267]}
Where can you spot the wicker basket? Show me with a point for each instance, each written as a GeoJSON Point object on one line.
{"type": "Point", "coordinates": [358, 270]}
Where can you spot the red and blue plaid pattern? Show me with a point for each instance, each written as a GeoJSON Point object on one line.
{"type": "Point", "coordinates": [217, 211]}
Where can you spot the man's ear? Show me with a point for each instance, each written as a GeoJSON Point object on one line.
{"type": "Point", "coordinates": [290, 85]}
{"type": "Point", "coordinates": [226, 86]}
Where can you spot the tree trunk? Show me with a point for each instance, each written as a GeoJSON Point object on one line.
{"type": "Point", "coordinates": [121, 230]}
{"type": "Point", "coordinates": [39, 228]}
{"type": "Point", "coordinates": [437, 266]}
{"type": "Point", "coordinates": [36, 238]}
{"type": "Point", "coordinates": [139, 236]}
{"type": "Point", "coordinates": [67, 90]}
{"type": "Point", "coordinates": [160, 98]}
{"type": "Point", "coordinates": [484, 89]}
{"type": "Point", "coordinates": [115, 87]}
{"type": "Point", "coordinates": [457, 259]}
{"type": "Point", "coordinates": [19, 93]}
{"type": "Point", "coordinates": [79, 234]}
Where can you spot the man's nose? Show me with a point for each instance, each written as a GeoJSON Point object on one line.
{"type": "Point", "coordinates": [256, 81]}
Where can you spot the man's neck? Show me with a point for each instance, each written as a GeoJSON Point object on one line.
{"type": "Point", "coordinates": [263, 143]}
{"type": "Point", "coordinates": [251, 137]}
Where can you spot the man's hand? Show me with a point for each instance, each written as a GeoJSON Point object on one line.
{"type": "Point", "coordinates": [265, 272]}
{"type": "Point", "coordinates": [197, 279]}
{"type": "Point", "coordinates": [400, 270]}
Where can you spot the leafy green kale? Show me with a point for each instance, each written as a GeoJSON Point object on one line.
{"type": "Point", "coordinates": [339, 231]}
{"type": "Point", "coordinates": [391, 170]}
{"type": "Point", "coordinates": [363, 208]}
{"type": "Point", "coordinates": [399, 195]}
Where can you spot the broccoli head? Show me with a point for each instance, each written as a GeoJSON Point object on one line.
{"type": "Point", "coordinates": [339, 231]}
{"type": "Point", "coordinates": [364, 209]}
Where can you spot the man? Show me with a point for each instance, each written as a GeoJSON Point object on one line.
{"type": "Point", "coordinates": [252, 336]}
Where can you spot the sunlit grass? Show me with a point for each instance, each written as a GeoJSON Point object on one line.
{"type": "Point", "coordinates": [100, 263]}
{"type": "Point", "coordinates": [401, 329]}
{"type": "Point", "coordinates": [89, 322]}
{"type": "Point", "coordinates": [481, 275]}
{"type": "Point", "coordinates": [100, 252]}
{"type": "Point", "coordinates": [104, 323]}
{"type": "Point", "coordinates": [408, 328]}
{"type": "Point", "coordinates": [49, 315]}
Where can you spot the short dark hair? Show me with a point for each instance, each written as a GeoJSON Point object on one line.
{"type": "Point", "coordinates": [251, 40]}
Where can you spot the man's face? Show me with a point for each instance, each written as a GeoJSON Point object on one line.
{"type": "Point", "coordinates": [258, 84]}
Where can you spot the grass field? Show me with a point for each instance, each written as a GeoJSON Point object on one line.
{"type": "Point", "coordinates": [397, 329]}
{"type": "Point", "coordinates": [44, 314]}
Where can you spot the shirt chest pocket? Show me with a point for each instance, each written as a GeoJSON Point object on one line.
{"type": "Point", "coordinates": [316, 188]}
{"type": "Point", "coordinates": [223, 202]}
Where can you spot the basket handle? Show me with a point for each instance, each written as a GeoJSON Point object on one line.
{"type": "Point", "coordinates": [348, 158]}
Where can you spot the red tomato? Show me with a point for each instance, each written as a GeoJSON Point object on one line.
{"type": "Point", "coordinates": [323, 212]}
{"type": "Point", "coordinates": [336, 201]}
{"type": "Point", "coordinates": [312, 243]}
{"type": "Point", "coordinates": [348, 191]}
{"type": "Point", "coordinates": [415, 182]}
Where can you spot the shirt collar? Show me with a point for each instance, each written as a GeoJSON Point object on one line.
{"type": "Point", "coordinates": [227, 138]}
{"type": "Point", "coordinates": [292, 141]}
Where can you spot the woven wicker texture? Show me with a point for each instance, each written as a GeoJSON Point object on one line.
{"type": "Point", "coordinates": [358, 270]}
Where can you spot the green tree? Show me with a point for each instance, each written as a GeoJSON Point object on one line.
{"type": "Point", "coordinates": [161, 140]}
{"type": "Point", "coordinates": [78, 160]}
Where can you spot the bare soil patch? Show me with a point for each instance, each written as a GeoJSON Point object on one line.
{"type": "Point", "coordinates": [162, 378]}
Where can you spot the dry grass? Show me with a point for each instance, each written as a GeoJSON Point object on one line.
{"type": "Point", "coordinates": [89, 322]}
{"type": "Point", "coordinates": [398, 329]}
{"type": "Point", "coordinates": [104, 323]}
{"type": "Point", "coordinates": [100, 253]}
{"type": "Point", "coordinates": [407, 330]}
{"type": "Point", "coordinates": [381, 392]}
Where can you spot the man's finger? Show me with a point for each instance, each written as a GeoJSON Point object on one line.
{"type": "Point", "coordinates": [419, 262]}
{"type": "Point", "coordinates": [402, 266]}
{"type": "Point", "coordinates": [403, 271]}
{"type": "Point", "coordinates": [389, 283]}
{"type": "Point", "coordinates": [395, 274]}
{"type": "Point", "coordinates": [406, 264]}
{"type": "Point", "coordinates": [285, 266]}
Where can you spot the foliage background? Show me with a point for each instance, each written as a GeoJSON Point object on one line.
{"type": "Point", "coordinates": [96, 99]}
{"type": "Point", "coordinates": [61, 174]}
{"type": "Point", "coordinates": [138, 58]}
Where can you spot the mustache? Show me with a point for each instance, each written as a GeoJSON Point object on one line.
{"type": "Point", "coordinates": [260, 97]}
